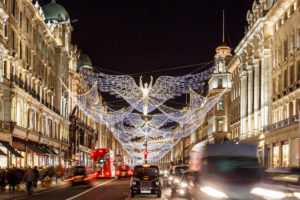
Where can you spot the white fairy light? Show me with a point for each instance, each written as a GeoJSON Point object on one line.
{"type": "Point", "coordinates": [163, 130]}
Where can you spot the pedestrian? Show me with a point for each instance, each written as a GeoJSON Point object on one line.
{"type": "Point", "coordinates": [58, 173]}
{"type": "Point", "coordinates": [28, 179]}
{"type": "Point", "coordinates": [36, 177]}
{"type": "Point", "coordinates": [2, 180]}
{"type": "Point", "coordinates": [12, 179]}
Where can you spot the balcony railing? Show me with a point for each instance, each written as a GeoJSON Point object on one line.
{"type": "Point", "coordinates": [284, 123]}
{"type": "Point", "coordinates": [20, 83]}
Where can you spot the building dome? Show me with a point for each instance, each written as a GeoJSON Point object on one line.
{"type": "Point", "coordinates": [85, 61]}
{"type": "Point", "coordinates": [55, 11]}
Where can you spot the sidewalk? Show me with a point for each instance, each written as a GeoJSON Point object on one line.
{"type": "Point", "coordinates": [22, 192]}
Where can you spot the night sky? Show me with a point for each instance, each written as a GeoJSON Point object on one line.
{"type": "Point", "coordinates": [137, 36]}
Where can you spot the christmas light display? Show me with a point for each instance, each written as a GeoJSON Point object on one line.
{"type": "Point", "coordinates": [161, 131]}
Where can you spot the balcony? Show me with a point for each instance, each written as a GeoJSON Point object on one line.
{"type": "Point", "coordinates": [18, 81]}
{"type": "Point", "coordinates": [281, 124]}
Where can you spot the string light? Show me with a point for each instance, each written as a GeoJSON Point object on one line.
{"type": "Point", "coordinates": [162, 130]}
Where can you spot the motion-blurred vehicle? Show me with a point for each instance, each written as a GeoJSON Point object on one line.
{"type": "Point", "coordinates": [187, 183]}
{"type": "Point", "coordinates": [103, 163]}
{"type": "Point", "coordinates": [145, 180]}
{"type": "Point", "coordinates": [175, 176]}
{"type": "Point", "coordinates": [124, 171]}
{"type": "Point", "coordinates": [229, 171]}
{"type": "Point", "coordinates": [80, 175]}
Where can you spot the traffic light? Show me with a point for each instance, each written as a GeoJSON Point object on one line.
{"type": "Point", "coordinates": [145, 153]}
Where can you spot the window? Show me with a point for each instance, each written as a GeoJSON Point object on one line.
{"type": "Point", "coordinates": [285, 79]}
{"type": "Point", "coordinates": [220, 125]}
{"type": "Point", "coordinates": [49, 127]}
{"type": "Point", "coordinates": [220, 105]}
{"type": "Point", "coordinates": [298, 70]}
{"type": "Point", "coordinates": [5, 68]}
{"type": "Point", "coordinates": [13, 40]}
{"type": "Point", "coordinates": [21, 50]}
{"type": "Point", "coordinates": [27, 25]}
{"type": "Point", "coordinates": [220, 83]}
{"type": "Point", "coordinates": [13, 7]}
{"type": "Point", "coordinates": [279, 55]}
{"type": "Point", "coordinates": [285, 49]}
{"type": "Point", "coordinates": [291, 74]}
{"type": "Point", "coordinates": [279, 83]}
{"type": "Point", "coordinates": [292, 44]}
{"type": "Point", "coordinates": [21, 19]}
{"type": "Point", "coordinates": [298, 38]}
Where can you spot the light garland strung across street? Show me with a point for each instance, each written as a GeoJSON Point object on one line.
{"type": "Point", "coordinates": [161, 131]}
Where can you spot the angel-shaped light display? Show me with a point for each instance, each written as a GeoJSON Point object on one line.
{"type": "Point", "coordinates": [161, 130]}
{"type": "Point", "coordinates": [145, 90]}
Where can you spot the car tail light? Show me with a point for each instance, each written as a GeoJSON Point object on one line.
{"type": "Point", "coordinates": [118, 172]}
{"type": "Point", "coordinates": [107, 173]}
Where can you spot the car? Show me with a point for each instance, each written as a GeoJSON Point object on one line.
{"type": "Point", "coordinates": [187, 183]}
{"type": "Point", "coordinates": [175, 176]}
{"type": "Point", "coordinates": [80, 175]}
{"type": "Point", "coordinates": [146, 181]}
{"type": "Point", "coordinates": [230, 171]}
{"type": "Point", "coordinates": [124, 172]}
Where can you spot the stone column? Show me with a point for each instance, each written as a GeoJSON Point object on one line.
{"type": "Point", "coordinates": [256, 96]}
{"type": "Point", "coordinates": [250, 98]}
{"type": "Point", "coordinates": [243, 103]}
{"type": "Point", "coordinates": [266, 89]}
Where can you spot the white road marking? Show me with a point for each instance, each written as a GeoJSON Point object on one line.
{"type": "Point", "coordinates": [89, 190]}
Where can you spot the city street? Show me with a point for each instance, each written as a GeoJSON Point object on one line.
{"type": "Point", "coordinates": [101, 189]}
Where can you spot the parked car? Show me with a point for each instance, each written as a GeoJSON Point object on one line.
{"type": "Point", "coordinates": [145, 180]}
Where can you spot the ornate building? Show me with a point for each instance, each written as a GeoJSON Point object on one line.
{"type": "Point", "coordinates": [268, 62]}
{"type": "Point", "coordinates": [36, 51]}
{"type": "Point", "coordinates": [265, 95]}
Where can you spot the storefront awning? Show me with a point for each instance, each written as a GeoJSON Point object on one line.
{"type": "Point", "coordinates": [11, 149]}
{"type": "Point", "coordinates": [2, 153]}
{"type": "Point", "coordinates": [34, 146]}
{"type": "Point", "coordinates": [49, 150]}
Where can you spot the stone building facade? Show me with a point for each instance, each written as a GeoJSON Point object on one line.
{"type": "Point", "coordinates": [34, 120]}
{"type": "Point", "coordinates": [265, 74]}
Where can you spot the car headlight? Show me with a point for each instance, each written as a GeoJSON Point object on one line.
{"type": "Point", "coordinates": [213, 192]}
{"type": "Point", "coordinates": [268, 193]}
{"type": "Point", "coordinates": [133, 183]}
{"type": "Point", "coordinates": [183, 185]}
{"type": "Point", "coordinates": [157, 182]}
{"type": "Point", "coordinates": [297, 194]}
{"type": "Point", "coordinates": [176, 180]}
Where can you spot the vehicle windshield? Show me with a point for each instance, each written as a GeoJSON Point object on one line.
{"type": "Point", "coordinates": [149, 171]}
{"type": "Point", "coordinates": [79, 171]}
{"type": "Point", "coordinates": [180, 170]}
{"type": "Point", "coordinates": [233, 169]}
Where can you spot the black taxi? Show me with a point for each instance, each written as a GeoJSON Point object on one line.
{"type": "Point", "coordinates": [145, 180]}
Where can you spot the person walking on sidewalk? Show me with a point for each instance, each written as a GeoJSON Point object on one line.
{"type": "Point", "coordinates": [36, 176]}
{"type": "Point", "coordinates": [2, 180]}
{"type": "Point", "coordinates": [29, 178]}
{"type": "Point", "coordinates": [12, 179]}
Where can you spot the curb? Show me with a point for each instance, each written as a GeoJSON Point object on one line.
{"type": "Point", "coordinates": [35, 193]}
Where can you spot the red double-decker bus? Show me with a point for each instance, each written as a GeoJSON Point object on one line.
{"type": "Point", "coordinates": [103, 161]}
